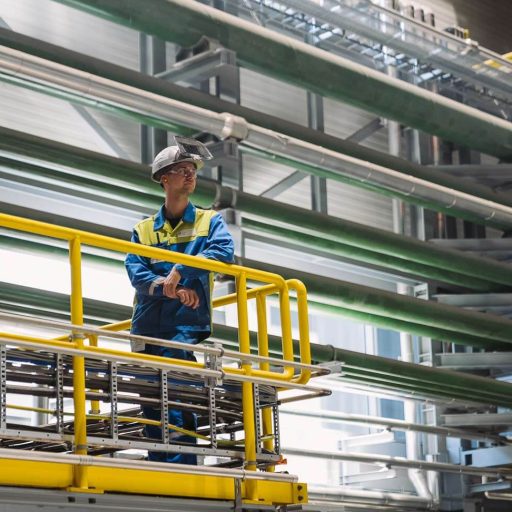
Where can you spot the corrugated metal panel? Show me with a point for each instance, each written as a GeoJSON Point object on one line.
{"type": "Point", "coordinates": [48, 117]}
{"type": "Point", "coordinates": [73, 29]}
{"type": "Point", "coordinates": [260, 175]}
{"type": "Point", "coordinates": [346, 201]}
{"type": "Point", "coordinates": [359, 205]}
{"type": "Point", "coordinates": [271, 96]}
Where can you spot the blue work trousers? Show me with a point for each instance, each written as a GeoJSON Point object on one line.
{"type": "Point", "coordinates": [179, 417]}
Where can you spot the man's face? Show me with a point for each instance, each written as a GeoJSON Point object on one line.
{"type": "Point", "coordinates": [181, 178]}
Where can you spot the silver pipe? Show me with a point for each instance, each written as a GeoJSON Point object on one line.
{"type": "Point", "coordinates": [62, 81]}
{"type": "Point", "coordinates": [369, 458]}
{"type": "Point", "coordinates": [87, 460]}
{"type": "Point", "coordinates": [313, 391]}
{"type": "Point", "coordinates": [335, 166]}
{"type": "Point", "coordinates": [370, 497]}
{"type": "Point", "coordinates": [126, 336]}
{"type": "Point", "coordinates": [394, 425]}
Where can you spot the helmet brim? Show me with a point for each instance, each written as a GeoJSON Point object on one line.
{"type": "Point", "coordinates": [199, 164]}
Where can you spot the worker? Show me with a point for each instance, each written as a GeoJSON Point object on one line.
{"type": "Point", "coordinates": [173, 301]}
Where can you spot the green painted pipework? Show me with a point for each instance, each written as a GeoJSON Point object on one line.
{"type": "Point", "coordinates": [91, 188]}
{"type": "Point", "coordinates": [185, 22]}
{"type": "Point", "coordinates": [400, 310]}
{"type": "Point", "coordinates": [130, 180]}
{"type": "Point", "coordinates": [21, 299]}
{"type": "Point", "coordinates": [322, 172]}
{"type": "Point", "coordinates": [358, 255]}
{"type": "Point", "coordinates": [373, 239]}
{"type": "Point", "coordinates": [191, 96]}
{"type": "Point", "coordinates": [417, 329]}
{"type": "Point", "coordinates": [377, 320]}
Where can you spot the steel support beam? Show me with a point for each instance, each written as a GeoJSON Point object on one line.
{"type": "Point", "coordinates": [185, 22]}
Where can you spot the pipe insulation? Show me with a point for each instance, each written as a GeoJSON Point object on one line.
{"type": "Point", "coordinates": [363, 243]}
{"type": "Point", "coordinates": [185, 21]}
{"type": "Point", "coordinates": [191, 96]}
{"type": "Point", "coordinates": [68, 83]}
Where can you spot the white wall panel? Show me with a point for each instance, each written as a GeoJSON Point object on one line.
{"type": "Point", "coordinates": [346, 201]}
{"type": "Point", "coordinates": [45, 116]}
{"type": "Point", "coordinates": [261, 174]}
{"type": "Point", "coordinates": [73, 29]}
{"type": "Point", "coordinates": [271, 96]}
{"type": "Point", "coordinates": [52, 118]}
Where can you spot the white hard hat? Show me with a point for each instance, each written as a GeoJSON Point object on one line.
{"type": "Point", "coordinates": [170, 156]}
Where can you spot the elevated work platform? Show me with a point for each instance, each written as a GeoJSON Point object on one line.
{"type": "Point", "coordinates": [81, 448]}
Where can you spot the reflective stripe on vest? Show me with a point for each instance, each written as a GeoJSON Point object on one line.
{"type": "Point", "coordinates": [184, 232]}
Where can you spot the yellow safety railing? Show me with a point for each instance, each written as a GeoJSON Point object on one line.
{"type": "Point", "coordinates": [273, 283]}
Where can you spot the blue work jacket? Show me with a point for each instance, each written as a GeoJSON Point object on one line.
{"type": "Point", "coordinates": [199, 233]}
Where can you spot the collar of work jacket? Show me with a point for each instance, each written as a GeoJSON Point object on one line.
{"type": "Point", "coordinates": [189, 216]}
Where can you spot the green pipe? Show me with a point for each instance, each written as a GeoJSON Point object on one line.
{"type": "Point", "coordinates": [331, 174]}
{"type": "Point", "coordinates": [56, 305]}
{"type": "Point", "coordinates": [406, 372]}
{"type": "Point", "coordinates": [401, 308]}
{"type": "Point", "coordinates": [45, 246]}
{"type": "Point", "coordinates": [471, 212]}
{"type": "Point", "coordinates": [188, 95]}
{"type": "Point", "coordinates": [358, 255]}
{"type": "Point", "coordinates": [79, 185]}
{"type": "Point", "coordinates": [85, 187]}
{"type": "Point", "coordinates": [185, 22]}
{"type": "Point", "coordinates": [130, 179]}
{"type": "Point", "coordinates": [412, 384]}
{"type": "Point", "coordinates": [421, 391]}
{"type": "Point", "coordinates": [393, 324]}
{"type": "Point", "coordinates": [373, 239]}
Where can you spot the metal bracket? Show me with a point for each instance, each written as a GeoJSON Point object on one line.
{"type": "Point", "coordinates": [212, 416]}
{"type": "Point", "coordinates": [3, 386]}
{"type": "Point", "coordinates": [164, 397]}
{"type": "Point", "coordinates": [257, 417]}
{"type": "Point", "coordinates": [238, 495]}
{"type": "Point", "coordinates": [214, 362]}
{"type": "Point", "coordinates": [277, 436]}
{"type": "Point", "coordinates": [59, 392]}
{"type": "Point", "coordinates": [114, 420]}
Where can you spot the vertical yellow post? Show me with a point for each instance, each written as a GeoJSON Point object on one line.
{"type": "Point", "coordinates": [247, 387]}
{"type": "Point", "coordinates": [286, 323]}
{"type": "Point", "coordinates": [266, 413]}
{"type": "Point", "coordinates": [77, 318]}
{"type": "Point", "coordinates": [95, 404]}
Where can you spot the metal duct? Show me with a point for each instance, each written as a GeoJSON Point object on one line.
{"type": "Point", "coordinates": [394, 425]}
{"type": "Point", "coordinates": [185, 22]}
{"type": "Point", "coordinates": [71, 84]}
{"type": "Point", "coordinates": [363, 496]}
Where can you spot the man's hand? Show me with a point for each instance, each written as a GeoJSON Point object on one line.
{"type": "Point", "coordinates": [188, 297]}
{"type": "Point", "coordinates": [170, 283]}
